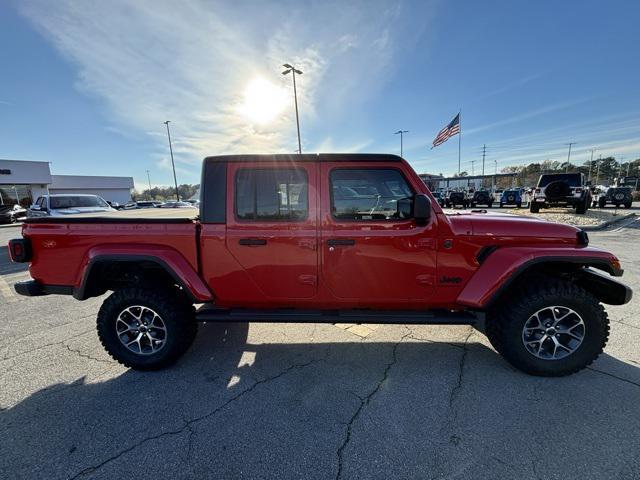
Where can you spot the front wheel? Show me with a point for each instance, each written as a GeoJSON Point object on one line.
{"type": "Point", "coordinates": [146, 329]}
{"type": "Point", "coordinates": [552, 328]}
{"type": "Point", "coordinates": [534, 207]}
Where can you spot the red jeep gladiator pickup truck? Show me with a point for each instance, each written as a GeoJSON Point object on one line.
{"type": "Point", "coordinates": [350, 238]}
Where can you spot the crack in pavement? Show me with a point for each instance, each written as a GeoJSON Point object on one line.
{"type": "Point", "coordinates": [40, 347]}
{"type": "Point", "coordinates": [364, 401]}
{"type": "Point", "coordinates": [187, 425]}
{"type": "Point", "coordinates": [84, 355]}
{"type": "Point", "coordinates": [613, 376]}
{"type": "Point", "coordinates": [454, 391]}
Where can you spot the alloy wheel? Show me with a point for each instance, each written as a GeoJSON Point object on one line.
{"type": "Point", "coordinates": [141, 330]}
{"type": "Point", "coordinates": [553, 333]}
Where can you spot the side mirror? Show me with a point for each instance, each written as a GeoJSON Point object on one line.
{"type": "Point", "coordinates": [421, 209]}
{"type": "Point", "coordinates": [35, 207]}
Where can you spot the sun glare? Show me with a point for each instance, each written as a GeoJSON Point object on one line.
{"type": "Point", "coordinates": [263, 101]}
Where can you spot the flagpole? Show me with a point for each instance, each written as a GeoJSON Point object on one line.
{"type": "Point", "coordinates": [459, 138]}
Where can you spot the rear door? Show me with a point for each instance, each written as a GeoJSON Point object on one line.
{"type": "Point", "coordinates": [368, 254]}
{"type": "Point", "coordinates": [272, 226]}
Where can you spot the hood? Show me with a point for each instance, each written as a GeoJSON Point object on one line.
{"type": "Point", "coordinates": [75, 210]}
{"type": "Point", "coordinates": [508, 225]}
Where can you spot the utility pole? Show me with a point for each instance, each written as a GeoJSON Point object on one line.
{"type": "Point", "coordinates": [149, 180]}
{"type": "Point", "coordinates": [598, 172]}
{"type": "Point", "coordinates": [292, 70]}
{"type": "Point", "coordinates": [473, 170]}
{"type": "Point", "coordinates": [175, 180]}
{"type": "Point", "coordinates": [591, 162]}
{"type": "Point", "coordinates": [484, 151]}
{"type": "Point", "coordinates": [401, 132]}
{"type": "Point", "coordinates": [569, 157]}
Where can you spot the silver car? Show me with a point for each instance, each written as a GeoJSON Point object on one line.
{"type": "Point", "coordinates": [68, 204]}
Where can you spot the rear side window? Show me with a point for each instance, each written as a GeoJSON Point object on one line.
{"type": "Point", "coordinates": [573, 180]}
{"type": "Point", "coordinates": [367, 194]}
{"type": "Point", "coordinates": [271, 194]}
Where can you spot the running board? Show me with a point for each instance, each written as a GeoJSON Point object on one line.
{"type": "Point", "coordinates": [209, 313]}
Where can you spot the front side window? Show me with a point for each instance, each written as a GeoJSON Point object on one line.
{"type": "Point", "coordinates": [271, 194]}
{"type": "Point", "coordinates": [367, 194]}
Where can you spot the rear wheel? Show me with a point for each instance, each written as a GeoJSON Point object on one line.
{"type": "Point", "coordinates": [519, 205]}
{"type": "Point", "coordinates": [581, 207]}
{"type": "Point", "coordinates": [534, 207]}
{"type": "Point", "coordinates": [602, 202]}
{"type": "Point", "coordinates": [553, 328]}
{"type": "Point", "coordinates": [146, 329]}
{"type": "Point", "coordinates": [627, 205]}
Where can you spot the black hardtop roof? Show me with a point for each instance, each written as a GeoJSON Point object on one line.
{"type": "Point", "coordinates": [306, 157]}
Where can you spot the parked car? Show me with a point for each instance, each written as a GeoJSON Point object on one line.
{"type": "Point", "coordinates": [511, 197]}
{"type": "Point", "coordinates": [175, 204]}
{"type": "Point", "coordinates": [143, 204]}
{"type": "Point", "coordinates": [289, 252]}
{"type": "Point", "coordinates": [561, 190]}
{"type": "Point", "coordinates": [115, 205]}
{"type": "Point", "coordinates": [454, 198]}
{"type": "Point", "coordinates": [12, 213]}
{"type": "Point", "coordinates": [616, 196]}
{"type": "Point", "coordinates": [497, 194]}
{"type": "Point", "coordinates": [63, 204]}
{"type": "Point", "coordinates": [439, 196]}
{"type": "Point", "coordinates": [482, 197]}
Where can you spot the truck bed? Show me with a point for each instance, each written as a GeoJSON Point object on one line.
{"type": "Point", "coordinates": [142, 215]}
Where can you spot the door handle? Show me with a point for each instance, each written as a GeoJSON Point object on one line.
{"type": "Point", "coordinates": [341, 242]}
{"type": "Point", "coordinates": [252, 242]}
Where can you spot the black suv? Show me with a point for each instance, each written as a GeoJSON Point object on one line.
{"type": "Point", "coordinates": [616, 196]}
{"type": "Point", "coordinates": [482, 197]}
{"type": "Point", "coordinates": [454, 198]}
{"type": "Point", "coordinates": [561, 190]}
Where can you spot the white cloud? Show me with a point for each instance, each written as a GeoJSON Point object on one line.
{"type": "Point", "coordinates": [191, 62]}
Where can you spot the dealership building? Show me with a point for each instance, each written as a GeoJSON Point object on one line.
{"type": "Point", "coordinates": [24, 181]}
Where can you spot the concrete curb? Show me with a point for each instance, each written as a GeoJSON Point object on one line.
{"type": "Point", "coordinates": [9, 225]}
{"type": "Point", "coordinates": [594, 228]}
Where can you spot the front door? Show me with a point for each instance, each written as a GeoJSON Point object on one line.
{"type": "Point", "coordinates": [272, 227]}
{"type": "Point", "coordinates": [369, 253]}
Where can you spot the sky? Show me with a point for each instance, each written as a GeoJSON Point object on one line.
{"type": "Point", "coordinates": [87, 85]}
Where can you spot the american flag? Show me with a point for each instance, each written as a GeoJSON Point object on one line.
{"type": "Point", "coordinates": [447, 132]}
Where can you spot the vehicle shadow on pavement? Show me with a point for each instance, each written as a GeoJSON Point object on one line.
{"type": "Point", "coordinates": [7, 266]}
{"type": "Point", "coordinates": [369, 409]}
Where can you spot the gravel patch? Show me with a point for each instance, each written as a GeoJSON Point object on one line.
{"type": "Point", "coordinates": [593, 217]}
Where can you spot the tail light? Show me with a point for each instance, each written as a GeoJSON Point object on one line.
{"type": "Point", "coordinates": [537, 190]}
{"type": "Point", "coordinates": [20, 250]}
{"type": "Point", "coordinates": [578, 190]}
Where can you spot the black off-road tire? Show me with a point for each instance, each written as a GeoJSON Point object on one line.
{"type": "Point", "coordinates": [627, 205]}
{"type": "Point", "coordinates": [581, 208]}
{"type": "Point", "coordinates": [505, 323]}
{"type": "Point", "coordinates": [519, 205]}
{"type": "Point", "coordinates": [176, 313]}
{"type": "Point", "coordinates": [534, 207]}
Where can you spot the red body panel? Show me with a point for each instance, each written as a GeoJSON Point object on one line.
{"type": "Point", "coordinates": [61, 252]}
{"type": "Point", "coordinates": [390, 265]}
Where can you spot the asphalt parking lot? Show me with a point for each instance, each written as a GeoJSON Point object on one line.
{"type": "Point", "coordinates": [310, 401]}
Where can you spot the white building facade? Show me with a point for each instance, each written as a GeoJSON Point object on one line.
{"type": "Point", "coordinates": [24, 181]}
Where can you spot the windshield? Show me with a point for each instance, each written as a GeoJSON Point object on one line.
{"type": "Point", "coordinates": [573, 180]}
{"type": "Point", "coordinates": [73, 201]}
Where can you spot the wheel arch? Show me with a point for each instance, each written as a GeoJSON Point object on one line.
{"type": "Point", "coordinates": [497, 276]}
{"type": "Point", "coordinates": [110, 271]}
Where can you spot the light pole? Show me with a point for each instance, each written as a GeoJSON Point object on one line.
{"type": "Point", "coordinates": [172, 162]}
{"type": "Point", "coordinates": [291, 69]}
{"type": "Point", "coordinates": [401, 133]}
